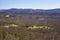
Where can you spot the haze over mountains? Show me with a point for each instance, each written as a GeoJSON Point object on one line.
{"type": "Point", "coordinates": [13, 10]}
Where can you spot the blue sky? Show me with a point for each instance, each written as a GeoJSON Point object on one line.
{"type": "Point", "coordinates": [34, 4]}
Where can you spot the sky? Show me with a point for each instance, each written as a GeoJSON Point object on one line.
{"type": "Point", "coordinates": [29, 4]}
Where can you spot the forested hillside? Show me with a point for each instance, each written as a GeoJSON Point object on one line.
{"type": "Point", "coordinates": [29, 24]}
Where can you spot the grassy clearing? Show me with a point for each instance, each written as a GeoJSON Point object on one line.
{"type": "Point", "coordinates": [10, 25]}
{"type": "Point", "coordinates": [41, 19]}
{"type": "Point", "coordinates": [39, 27]}
{"type": "Point", "coordinates": [7, 16]}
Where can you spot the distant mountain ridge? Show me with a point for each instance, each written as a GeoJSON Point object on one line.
{"type": "Point", "coordinates": [13, 10]}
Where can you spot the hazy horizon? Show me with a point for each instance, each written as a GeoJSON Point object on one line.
{"type": "Point", "coordinates": [29, 8]}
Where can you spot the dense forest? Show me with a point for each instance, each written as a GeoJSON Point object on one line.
{"type": "Point", "coordinates": [29, 24]}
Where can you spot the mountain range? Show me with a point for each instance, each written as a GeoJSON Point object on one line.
{"type": "Point", "coordinates": [13, 10]}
